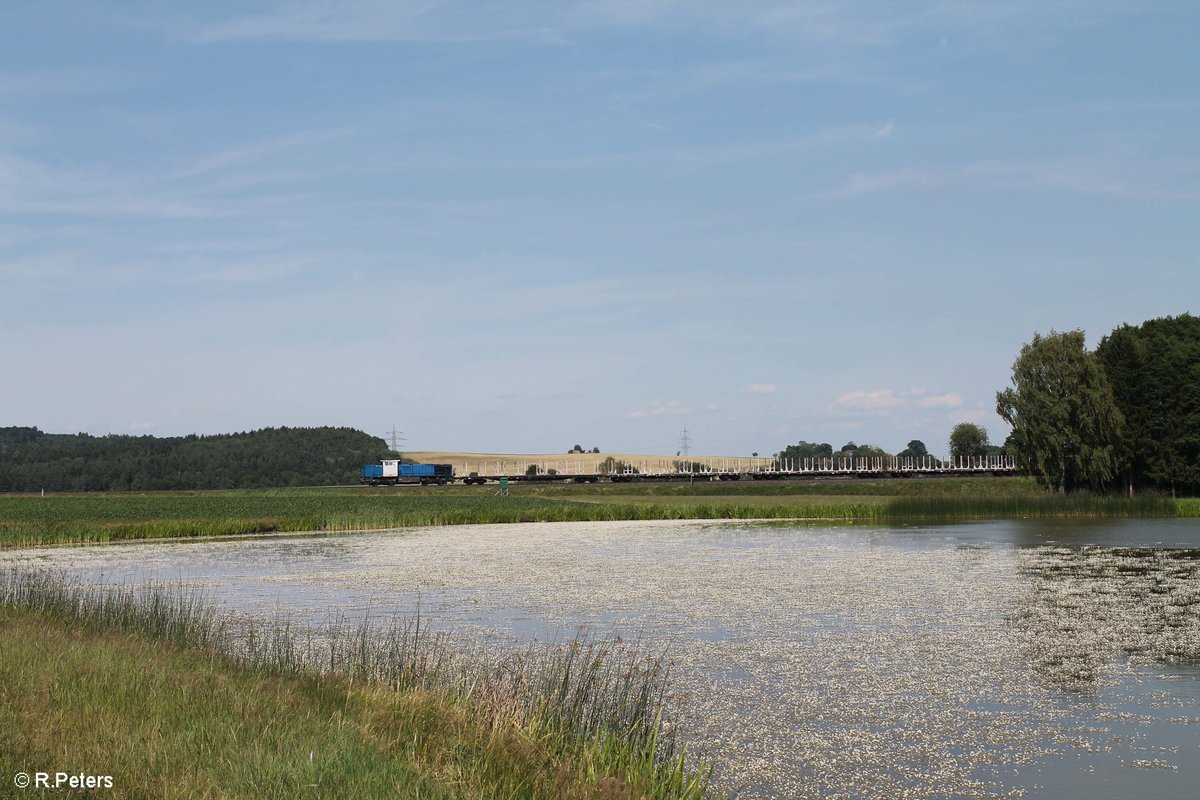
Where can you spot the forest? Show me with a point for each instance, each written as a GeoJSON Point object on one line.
{"type": "Point", "coordinates": [32, 460]}
{"type": "Point", "coordinates": [1122, 417]}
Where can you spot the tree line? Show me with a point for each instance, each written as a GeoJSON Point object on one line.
{"type": "Point", "coordinates": [31, 460]}
{"type": "Point", "coordinates": [1125, 416]}
{"type": "Point", "coordinates": [966, 440]}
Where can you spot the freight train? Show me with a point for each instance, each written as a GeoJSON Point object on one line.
{"type": "Point", "coordinates": [391, 473]}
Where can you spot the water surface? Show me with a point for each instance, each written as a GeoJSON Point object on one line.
{"type": "Point", "coordinates": [992, 659]}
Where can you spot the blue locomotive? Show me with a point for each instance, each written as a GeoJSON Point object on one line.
{"type": "Point", "coordinates": [391, 473]}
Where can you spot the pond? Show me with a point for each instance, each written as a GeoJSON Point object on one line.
{"type": "Point", "coordinates": [987, 659]}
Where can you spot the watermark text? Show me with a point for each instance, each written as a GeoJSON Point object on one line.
{"type": "Point", "coordinates": [61, 780]}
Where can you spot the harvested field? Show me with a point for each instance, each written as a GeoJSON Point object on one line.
{"type": "Point", "coordinates": [517, 463]}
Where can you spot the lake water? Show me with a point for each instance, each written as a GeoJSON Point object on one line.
{"type": "Point", "coordinates": [992, 659]}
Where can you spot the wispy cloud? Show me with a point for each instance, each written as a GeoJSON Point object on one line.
{"type": "Point", "coordinates": [60, 82]}
{"type": "Point", "coordinates": [384, 20]}
{"type": "Point", "coordinates": [253, 151]}
{"type": "Point", "coordinates": [883, 402]}
{"type": "Point", "coordinates": [1095, 175]}
{"type": "Point", "coordinates": [950, 400]}
{"type": "Point", "coordinates": [28, 186]}
{"type": "Point", "coordinates": [760, 388]}
{"type": "Point", "coordinates": [849, 24]}
{"type": "Point", "coordinates": [860, 401]}
{"type": "Point", "coordinates": [671, 408]}
{"type": "Point", "coordinates": [885, 131]}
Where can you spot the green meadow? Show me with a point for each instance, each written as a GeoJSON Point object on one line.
{"type": "Point", "coordinates": [31, 520]}
{"type": "Point", "coordinates": [174, 700]}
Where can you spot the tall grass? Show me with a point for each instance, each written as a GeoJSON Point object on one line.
{"type": "Point", "coordinates": [1041, 505]}
{"type": "Point", "coordinates": [30, 520]}
{"type": "Point", "coordinates": [604, 699]}
{"type": "Point", "coordinates": [175, 614]}
{"type": "Point", "coordinates": [1189, 507]}
{"type": "Point", "coordinates": [82, 519]}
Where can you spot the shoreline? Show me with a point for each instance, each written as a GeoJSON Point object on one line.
{"type": "Point", "coordinates": [37, 521]}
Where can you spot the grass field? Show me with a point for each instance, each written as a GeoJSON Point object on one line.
{"type": "Point", "coordinates": [27, 520]}
{"type": "Point", "coordinates": [172, 701]}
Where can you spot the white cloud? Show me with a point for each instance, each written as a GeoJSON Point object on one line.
{"type": "Point", "coordinates": [760, 388]}
{"type": "Point", "coordinates": [142, 427]}
{"type": "Point", "coordinates": [658, 409]}
{"type": "Point", "coordinates": [712, 407]}
{"type": "Point", "coordinates": [950, 400]}
{"type": "Point", "coordinates": [859, 401]}
{"type": "Point", "coordinates": [882, 402]}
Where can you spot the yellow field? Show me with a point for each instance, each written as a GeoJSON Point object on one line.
{"type": "Point", "coordinates": [569, 463]}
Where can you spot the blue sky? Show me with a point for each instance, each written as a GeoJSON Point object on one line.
{"type": "Point", "coordinates": [520, 226]}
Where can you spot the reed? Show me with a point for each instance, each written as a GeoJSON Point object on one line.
{"type": "Point", "coordinates": [600, 705]}
{"type": "Point", "coordinates": [176, 614]}
{"type": "Point", "coordinates": [86, 519]}
{"type": "Point", "coordinates": [1041, 505]}
{"type": "Point", "coordinates": [82, 519]}
{"type": "Point", "coordinates": [1188, 507]}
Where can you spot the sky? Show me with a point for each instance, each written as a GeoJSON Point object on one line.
{"type": "Point", "coordinates": [520, 226]}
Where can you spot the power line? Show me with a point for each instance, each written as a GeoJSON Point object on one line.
{"type": "Point", "coordinates": [685, 442]}
{"type": "Point", "coordinates": [395, 438]}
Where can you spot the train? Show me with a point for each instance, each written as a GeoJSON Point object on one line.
{"type": "Point", "coordinates": [392, 473]}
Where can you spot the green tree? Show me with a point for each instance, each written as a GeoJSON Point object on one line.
{"type": "Point", "coordinates": [1154, 370]}
{"type": "Point", "coordinates": [1065, 422]}
{"type": "Point", "coordinates": [807, 450]}
{"type": "Point", "coordinates": [611, 466]}
{"type": "Point", "coordinates": [915, 449]}
{"type": "Point", "coordinates": [32, 460]}
{"type": "Point", "coordinates": [870, 451]}
{"type": "Point", "coordinates": [798, 453]}
{"type": "Point", "coordinates": [968, 440]}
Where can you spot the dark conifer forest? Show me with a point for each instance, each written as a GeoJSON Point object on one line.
{"type": "Point", "coordinates": [31, 460]}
